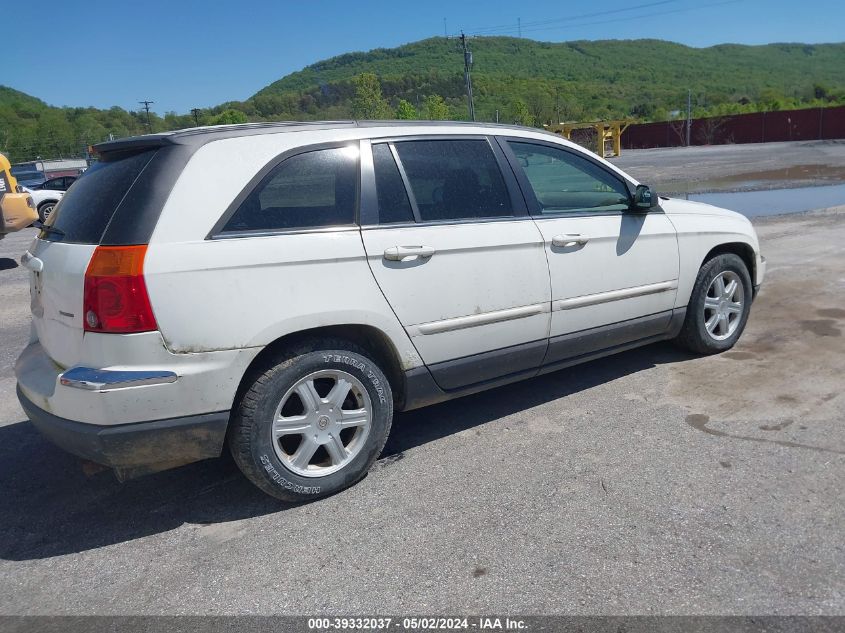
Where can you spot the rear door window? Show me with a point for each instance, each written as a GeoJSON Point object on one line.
{"type": "Point", "coordinates": [84, 212]}
{"type": "Point", "coordinates": [393, 203]}
{"type": "Point", "coordinates": [455, 179]}
{"type": "Point", "coordinates": [310, 190]}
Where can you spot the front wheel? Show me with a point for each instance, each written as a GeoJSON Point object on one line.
{"type": "Point", "coordinates": [313, 423]}
{"type": "Point", "coordinates": [719, 306]}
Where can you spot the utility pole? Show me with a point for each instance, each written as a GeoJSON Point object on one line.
{"type": "Point", "coordinates": [557, 106]}
{"type": "Point", "coordinates": [467, 77]}
{"type": "Point", "coordinates": [519, 27]}
{"type": "Point", "coordinates": [445, 30]}
{"type": "Point", "coordinates": [147, 108]}
{"type": "Point", "coordinates": [196, 113]}
{"type": "Point", "coordinates": [689, 114]}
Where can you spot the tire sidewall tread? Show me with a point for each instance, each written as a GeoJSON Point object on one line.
{"type": "Point", "coordinates": [694, 336]}
{"type": "Point", "coordinates": [41, 208]}
{"type": "Point", "coordinates": [250, 437]}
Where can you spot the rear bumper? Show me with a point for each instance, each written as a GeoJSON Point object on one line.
{"type": "Point", "coordinates": [121, 379]}
{"type": "Point", "coordinates": [137, 448]}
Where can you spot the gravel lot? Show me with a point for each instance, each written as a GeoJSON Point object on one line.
{"type": "Point", "coordinates": [652, 482]}
{"type": "Point", "coordinates": [749, 167]}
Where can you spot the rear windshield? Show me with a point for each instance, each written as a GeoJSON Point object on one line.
{"type": "Point", "coordinates": [86, 209]}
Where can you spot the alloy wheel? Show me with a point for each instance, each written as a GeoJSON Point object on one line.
{"type": "Point", "coordinates": [322, 423]}
{"type": "Point", "coordinates": [723, 305]}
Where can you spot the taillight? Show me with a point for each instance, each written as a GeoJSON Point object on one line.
{"type": "Point", "coordinates": [115, 297]}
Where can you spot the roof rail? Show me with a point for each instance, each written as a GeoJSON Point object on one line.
{"type": "Point", "coordinates": [201, 135]}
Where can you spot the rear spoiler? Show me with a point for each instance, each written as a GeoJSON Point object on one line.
{"type": "Point", "coordinates": [133, 144]}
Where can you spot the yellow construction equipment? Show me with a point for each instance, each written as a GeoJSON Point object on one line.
{"type": "Point", "coordinates": [605, 131]}
{"type": "Point", "coordinates": [17, 211]}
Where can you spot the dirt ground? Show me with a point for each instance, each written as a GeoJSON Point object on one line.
{"type": "Point", "coordinates": [737, 167]}
{"type": "Point", "coordinates": [788, 371]}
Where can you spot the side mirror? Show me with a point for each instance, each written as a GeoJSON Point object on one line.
{"type": "Point", "coordinates": [644, 198]}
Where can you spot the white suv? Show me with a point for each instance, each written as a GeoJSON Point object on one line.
{"type": "Point", "coordinates": [286, 287]}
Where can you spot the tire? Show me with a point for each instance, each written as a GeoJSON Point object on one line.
{"type": "Point", "coordinates": [45, 209]}
{"type": "Point", "coordinates": [274, 428]}
{"type": "Point", "coordinates": [700, 334]}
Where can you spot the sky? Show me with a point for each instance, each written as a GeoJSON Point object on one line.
{"type": "Point", "coordinates": [186, 54]}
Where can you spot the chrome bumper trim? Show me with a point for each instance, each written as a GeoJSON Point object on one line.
{"type": "Point", "coordinates": [105, 379]}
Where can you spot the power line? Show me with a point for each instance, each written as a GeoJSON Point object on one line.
{"type": "Point", "coordinates": [504, 29]}
{"type": "Point", "coordinates": [641, 16]}
{"type": "Point", "coordinates": [569, 18]}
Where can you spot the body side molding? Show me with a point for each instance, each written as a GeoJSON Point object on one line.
{"type": "Point", "coordinates": [473, 320]}
{"type": "Point", "coordinates": [614, 295]}
{"type": "Point", "coordinates": [422, 390]}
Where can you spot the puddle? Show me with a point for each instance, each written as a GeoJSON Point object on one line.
{"type": "Point", "coordinates": [775, 201]}
{"type": "Point", "coordinates": [784, 178]}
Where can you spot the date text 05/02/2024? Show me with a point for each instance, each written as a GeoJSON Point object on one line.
{"type": "Point", "coordinates": [417, 623]}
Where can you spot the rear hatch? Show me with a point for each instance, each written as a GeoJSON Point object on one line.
{"type": "Point", "coordinates": [59, 256]}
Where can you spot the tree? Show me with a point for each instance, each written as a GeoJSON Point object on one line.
{"type": "Point", "coordinates": [520, 113]}
{"type": "Point", "coordinates": [436, 109]}
{"type": "Point", "coordinates": [55, 135]}
{"type": "Point", "coordinates": [368, 102]}
{"type": "Point", "coordinates": [679, 127]}
{"type": "Point", "coordinates": [406, 111]}
{"type": "Point", "coordinates": [711, 131]}
{"type": "Point", "coordinates": [174, 121]}
{"type": "Point", "coordinates": [540, 106]}
{"type": "Point", "coordinates": [643, 110]}
{"type": "Point", "coordinates": [229, 117]}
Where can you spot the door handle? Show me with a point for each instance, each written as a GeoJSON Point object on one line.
{"type": "Point", "coordinates": [569, 239]}
{"type": "Point", "coordinates": [31, 262]}
{"type": "Point", "coordinates": [401, 253]}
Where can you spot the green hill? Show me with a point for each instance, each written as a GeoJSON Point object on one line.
{"type": "Point", "coordinates": [585, 79]}
{"type": "Point", "coordinates": [9, 97]}
{"type": "Point", "coordinates": [524, 80]}
{"type": "Point", "coordinates": [29, 128]}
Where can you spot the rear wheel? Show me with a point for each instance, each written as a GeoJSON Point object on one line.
{"type": "Point", "coordinates": [719, 306]}
{"type": "Point", "coordinates": [313, 423]}
{"type": "Point", "coordinates": [45, 209]}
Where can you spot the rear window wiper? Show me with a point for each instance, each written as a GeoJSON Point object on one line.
{"type": "Point", "coordinates": [38, 224]}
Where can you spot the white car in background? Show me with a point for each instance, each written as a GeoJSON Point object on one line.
{"type": "Point", "coordinates": [45, 200]}
{"type": "Point", "coordinates": [284, 288]}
